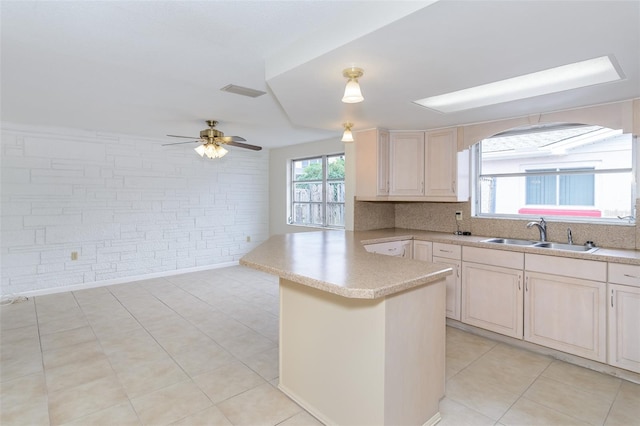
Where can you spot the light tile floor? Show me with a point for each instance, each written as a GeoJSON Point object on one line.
{"type": "Point", "coordinates": [202, 349]}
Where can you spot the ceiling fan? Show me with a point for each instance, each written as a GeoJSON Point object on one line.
{"type": "Point", "coordinates": [211, 141]}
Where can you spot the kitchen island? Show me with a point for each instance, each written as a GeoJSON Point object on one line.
{"type": "Point", "coordinates": [362, 335]}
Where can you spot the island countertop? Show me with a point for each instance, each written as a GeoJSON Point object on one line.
{"type": "Point", "coordinates": [336, 262]}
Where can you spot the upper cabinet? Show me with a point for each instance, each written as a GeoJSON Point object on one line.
{"type": "Point", "coordinates": [406, 164]}
{"type": "Point", "coordinates": [411, 166]}
{"type": "Point", "coordinates": [372, 163]}
{"type": "Point", "coordinates": [446, 169]}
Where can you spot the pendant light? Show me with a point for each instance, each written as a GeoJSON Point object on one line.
{"type": "Point", "coordinates": [347, 136]}
{"type": "Point", "coordinates": [352, 93]}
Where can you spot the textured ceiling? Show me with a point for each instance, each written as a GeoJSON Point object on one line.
{"type": "Point", "coordinates": [155, 68]}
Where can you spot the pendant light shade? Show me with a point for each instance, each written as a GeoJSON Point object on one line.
{"type": "Point", "coordinates": [211, 150]}
{"type": "Point", "coordinates": [347, 136]}
{"type": "Point", "coordinates": [352, 92]}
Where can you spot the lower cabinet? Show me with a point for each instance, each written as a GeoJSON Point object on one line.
{"type": "Point", "coordinates": [450, 255]}
{"type": "Point", "coordinates": [623, 305]}
{"type": "Point", "coordinates": [454, 286]}
{"type": "Point", "coordinates": [422, 250]}
{"type": "Point", "coordinates": [565, 306]}
{"type": "Point", "coordinates": [583, 307]}
{"type": "Point", "coordinates": [492, 290]}
{"type": "Point", "coordinates": [567, 314]}
{"type": "Point", "coordinates": [393, 248]}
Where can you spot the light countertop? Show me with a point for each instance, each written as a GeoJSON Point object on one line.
{"type": "Point", "coordinates": [631, 257]}
{"type": "Point", "coordinates": [336, 262]}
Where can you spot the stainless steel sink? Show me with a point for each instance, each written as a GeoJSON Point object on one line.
{"type": "Point", "coordinates": [509, 241]}
{"type": "Point", "coordinates": [569, 247]}
{"type": "Point", "coordinates": [546, 245]}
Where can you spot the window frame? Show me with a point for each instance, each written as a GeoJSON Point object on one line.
{"type": "Point", "coordinates": [325, 182]}
{"type": "Point", "coordinates": [478, 176]}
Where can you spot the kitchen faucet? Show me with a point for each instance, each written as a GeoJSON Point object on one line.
{"type": "Point", "coordinates": [542, 227]}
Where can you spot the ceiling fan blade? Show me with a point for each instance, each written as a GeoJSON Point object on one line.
{"type": "Point", "coordinates": [180, 143]}
{"type": "Point", "coordinates": [186, 137]}
{"type": "Point", "coordinates": [245, 145]}
{"type": "Point", "coordinates": [228, 139]}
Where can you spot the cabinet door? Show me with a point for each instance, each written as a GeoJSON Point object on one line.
{"type": "Point", "coordinates": [454, 287]}
{"type": "Point", "coordinates": [492, 298]}
{"type": "Point", "coordinates": [372, 163]}
{"type": "Point", "coordinates": [422, 250]}
{"type": "Point", "coordinates": [624, 327]}
{"type": "Point", "coordinates": [441, 171]}
{"type": "Point", "coordinates": [406, 164]}
{"type": "Point", "coordinates": [567, 314]}
{"type": "Point", "coordinates": [383, 162]}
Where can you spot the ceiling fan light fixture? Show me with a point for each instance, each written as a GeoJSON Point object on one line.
{"type": "Point", "coordinates": [352, 92]}
{"type": "Point", "coordinates": [220, 151]}
{"type": "Point", "coordinates": [200, 149]}
{"type": "Point", "coordinates": [211, 150]}
{"type": "Point", "coordinates": [347, 136]}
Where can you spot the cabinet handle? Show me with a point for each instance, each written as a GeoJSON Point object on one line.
{"type": "Point", "coordinates": [519, 280]}
{"type": "Point", "coordinates": [631, 276]}
{"type": "Point", "coordinates": [612, 298]}
{"type": "Point", "coordinates": [457, 271]}
{"type": "Point", "coordinates": [526, 284]}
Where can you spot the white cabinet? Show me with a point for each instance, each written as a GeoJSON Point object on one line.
{"type": "Point", "coordinates": [624, 316]}
{"type": "Point", "coordinates": [446, 169]}
{"type": "Point", "coordinates": [406, 164]}
{"type": "Point", "coordinates": [422, 250]}
{"type": "Point", "coordinates": [565, 306]}
{"type": "Point", "coordinates": [492, 290]}
{"type": "Point", "coordinates": [450, 255]}
{"type": "Point", "coordinates": [392, 248]}
{"type": "Point", "coordinates": [372, 163]}
{"type": "Point", "coordinates": [410, 166]}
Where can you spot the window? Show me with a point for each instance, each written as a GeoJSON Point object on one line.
{"type": "Point", "coordinates": [558, 189]}
{"type": "Point", "coordinates": [317, 191]}
{"type": "Point", "coordinates": [569, 171]}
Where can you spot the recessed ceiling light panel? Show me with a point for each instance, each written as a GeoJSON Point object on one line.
{"type": "Point", "coordinates": [553, 80]}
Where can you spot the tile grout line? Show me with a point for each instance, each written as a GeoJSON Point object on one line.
{"type": "Point", "coordinates": [115, 373]}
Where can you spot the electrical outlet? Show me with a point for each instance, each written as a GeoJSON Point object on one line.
{"type": "Point", "coordinates": [74, 255]}
{"type": "Point", "coordinates": [248, 238]}
{"type": "Point", "coordinates": [458, 215]}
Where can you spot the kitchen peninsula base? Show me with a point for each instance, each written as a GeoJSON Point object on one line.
{"type": "Point", "coordinates": [364, 361]}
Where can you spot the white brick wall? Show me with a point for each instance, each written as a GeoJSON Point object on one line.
{"type": "Point", "coordinates": [127, 205]}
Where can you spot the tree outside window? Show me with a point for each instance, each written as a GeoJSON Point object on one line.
{"type": "Point", "coordinates": [318, 188]}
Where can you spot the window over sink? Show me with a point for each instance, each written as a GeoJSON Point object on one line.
{"type": "Point", "coordinates": [568, 171]}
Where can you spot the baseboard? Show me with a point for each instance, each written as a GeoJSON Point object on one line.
{"type": "Point", "coordinates": [433, 420]}
{"type": "Point", "coordinates": [309, 408]}
{"type": "Point", "coordinates": [123, 280]}
{"type": "Point", "coordinates": [559, 355]}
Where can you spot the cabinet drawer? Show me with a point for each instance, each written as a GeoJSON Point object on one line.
{"type": "Point", "coordinates": [505, 259]}
{"type": "Point", "coordinates": [624, 274]}
{"type": "Point", "coordinates": [576, 268]}
{"type": "Point", "coordinates": [450, 251]}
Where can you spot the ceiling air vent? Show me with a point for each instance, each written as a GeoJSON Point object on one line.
{"type": "Point", "coordinates": [244, 91]}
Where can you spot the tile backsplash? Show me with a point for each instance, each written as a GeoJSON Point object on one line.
{"type": "Point", "coordinates": [440, 217]}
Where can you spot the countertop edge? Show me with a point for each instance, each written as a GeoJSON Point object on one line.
{"type": "Point", "coordinates": [352, 293]}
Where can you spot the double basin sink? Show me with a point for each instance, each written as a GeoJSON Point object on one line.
{"type": "Point", "coordinates": [537, 244]}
